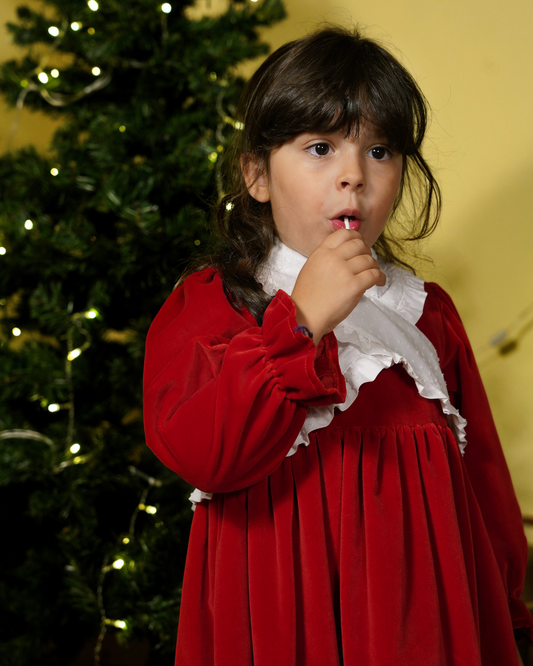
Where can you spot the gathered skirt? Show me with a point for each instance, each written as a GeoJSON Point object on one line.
{"type": "Point", "coordinates": [365, 548]}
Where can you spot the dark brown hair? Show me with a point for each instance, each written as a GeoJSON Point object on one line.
{"type": "Point", "coordinates": [330, 81]}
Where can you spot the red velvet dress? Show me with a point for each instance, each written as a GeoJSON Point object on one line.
{"type": "Point", "coordinates": [377, 544]}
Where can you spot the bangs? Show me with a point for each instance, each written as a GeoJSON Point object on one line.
{"type": "Point", "coordinates": [336, 86]}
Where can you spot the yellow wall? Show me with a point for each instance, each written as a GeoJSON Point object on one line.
{"type": "Point", "coordinates": [19, 128]}
{"type": "Point", "coordinates": [473, 61]}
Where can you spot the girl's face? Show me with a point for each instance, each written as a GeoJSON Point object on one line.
{"type": "Point", "coordinates": [318, 181]}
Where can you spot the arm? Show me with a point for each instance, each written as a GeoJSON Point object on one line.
{"type": "Point", "coordinates": [224, 399]}
{"type": "Point", "coordinates": [484, 459]}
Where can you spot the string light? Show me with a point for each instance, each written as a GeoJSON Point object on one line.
{"type": "Point", "coordinates": [28, 224]}
{"type": "Point", "coordinates": [96, 71]}
{"type": "Point", "coordinates": [239, 125]}
{"type": "Point", "coordinates": [75, 448]}
{"type": "Point", "coordinates": [149, 509]}
{"type": "Point", "coordinates": [213, 76]}
{"type": "Point", "coordinates": [93, 5]}
{"type": "Point", "coordinates": [119, 624]}
{"type": "Point", "coordinates": [75, 26]}
{"type": "Point", "coordinates": [118, 564]}
{"type": "Point", "coordinates": [53, 407]}
{"type": "Point", "coordinates": [126, 540]}
{"type": "Point", "coordinates": [122, 128]}
{"type": "Point", "coordinates": [213, 157]}
{"type": "Point", "coordinates": [166, 8]}
{"type": "Point", "coordinates": [43, 77]}
{"type": "Point", "coordinates": [16, 332]}
{"type": "Point", "coordinates": [230, 206]}
{"type": "Point", "coordinates": [2, 250]}
{"type": "Point", "coordinates": [24, 83]}
{"type": "Point", "coordinates": [74, 354]}
{"type": "Point", "coordinates": [53, 30]}
{"type": "Point", "coordinates": [54, 171]}
{"type": "Point", "coordinates": [91, 31]}
{"type": "Point", "coordinates": [91, 314]}
{"type": "Point", "coordinates": [55, 73]}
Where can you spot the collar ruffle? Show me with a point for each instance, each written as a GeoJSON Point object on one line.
{"type": "Point", "coordinates": [380, 332]}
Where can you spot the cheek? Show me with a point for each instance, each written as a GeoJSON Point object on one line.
{"type": "Point", "coordinates": [393, 188]}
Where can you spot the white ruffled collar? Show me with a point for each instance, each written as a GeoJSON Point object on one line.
{"type": "Point", "coordinates": [380, 332]}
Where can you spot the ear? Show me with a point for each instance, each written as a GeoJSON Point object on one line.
{"type": "Point", "coordinates": [256, 179]}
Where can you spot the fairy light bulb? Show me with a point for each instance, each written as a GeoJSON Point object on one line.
{"type": "Point", "coordinates": [53, 30]}
{"type": "Point", "coordinates": [126, 540]}
{"type": "Point", "coordinates": [239, 125]}
{"type": "Point", "coordinates": [230, 206]}
{"type": "Point", "coordinates": [91, 314]}
{"type": "Point", "coordinates": [43, 77]}
{"type": "Point", "coordinates": [118, 563]}
{"type": "Point", "coordinates": [16, 332]}
{"type": "Point", "coordinates": [75, 448]}
{"type": "Point", "coordinates": [93, 5]}
{"type": "Point", "coordinates": [54, 171]}
{"type": "Point", "coordinates": [53, 407]}
{"type": "Point", "coordinates": [166, 8]}
{"type": "Point", "coordinates": [119, 624]}
{"type": "Point", "coordinates": [149, 509]}
{"type": "Point", "coordinates": [54, 73]}
{"type": "Point", "coordinates": [75, 26]}
{"type": "Point", "coordinates": [28, 224]}
{"type": "Point", "coordinates": [96, 71]}
{"type": "Point", "coordinates": [2, 250]}
{"type": "Point", "coordinates": [74, 354]}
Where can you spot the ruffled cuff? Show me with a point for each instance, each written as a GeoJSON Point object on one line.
{"type": "Point", "coordinates": [521, 618]}
{"type": "Point", "coordinates": [304, 372]}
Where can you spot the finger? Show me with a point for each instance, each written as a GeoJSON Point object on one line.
{"type": "Point", "coordinates": [370, 278]}
{"type": "Point", "coordinates": [340, 236]}
{"type": "Point", "coordinates": [362, 262]}
{"type": "Point", "coordinates": [353, 247]}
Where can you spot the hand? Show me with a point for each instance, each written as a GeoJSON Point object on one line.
{"type": "Point", "coordinates": [333, 281]}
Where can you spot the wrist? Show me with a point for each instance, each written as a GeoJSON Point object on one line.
{"type": "Point", "coordinates": [306, 328]}
{"type": "Point", "coordinates": [300, 328]}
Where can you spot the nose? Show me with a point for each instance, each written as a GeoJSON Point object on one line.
{"type": "Point", "coordinates": [351, 173]}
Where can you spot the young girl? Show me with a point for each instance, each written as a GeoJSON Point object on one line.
{"type": "Point", "coordinates": [321, 397]}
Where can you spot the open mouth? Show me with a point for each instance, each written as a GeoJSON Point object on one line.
{"type": "Point", "coordinates": [346, 222]}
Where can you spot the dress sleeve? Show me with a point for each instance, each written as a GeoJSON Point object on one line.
{"type": "Point", "coordinates": [224, 398]}
{"type": "Point", "coordinates": [484, 458]}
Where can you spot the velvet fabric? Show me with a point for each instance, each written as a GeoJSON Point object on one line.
{"type": "Point", "coordinates": [376, 544]}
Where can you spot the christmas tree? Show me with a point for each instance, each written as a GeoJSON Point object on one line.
{"type": "Point", "coordinates": [93, 236]}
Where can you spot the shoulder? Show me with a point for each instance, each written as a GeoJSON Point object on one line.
{"type": "Point", "coordinates": [441, 323]}
{"type": "Point", "coordinates": [198, 306]}
{"type": "Point", "coordinates": [440, 299]}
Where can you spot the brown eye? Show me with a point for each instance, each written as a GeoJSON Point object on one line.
{"type": "Point", "coordinates": [380, 153]}
{"type": "Point", "coordinates": [320, 149]}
